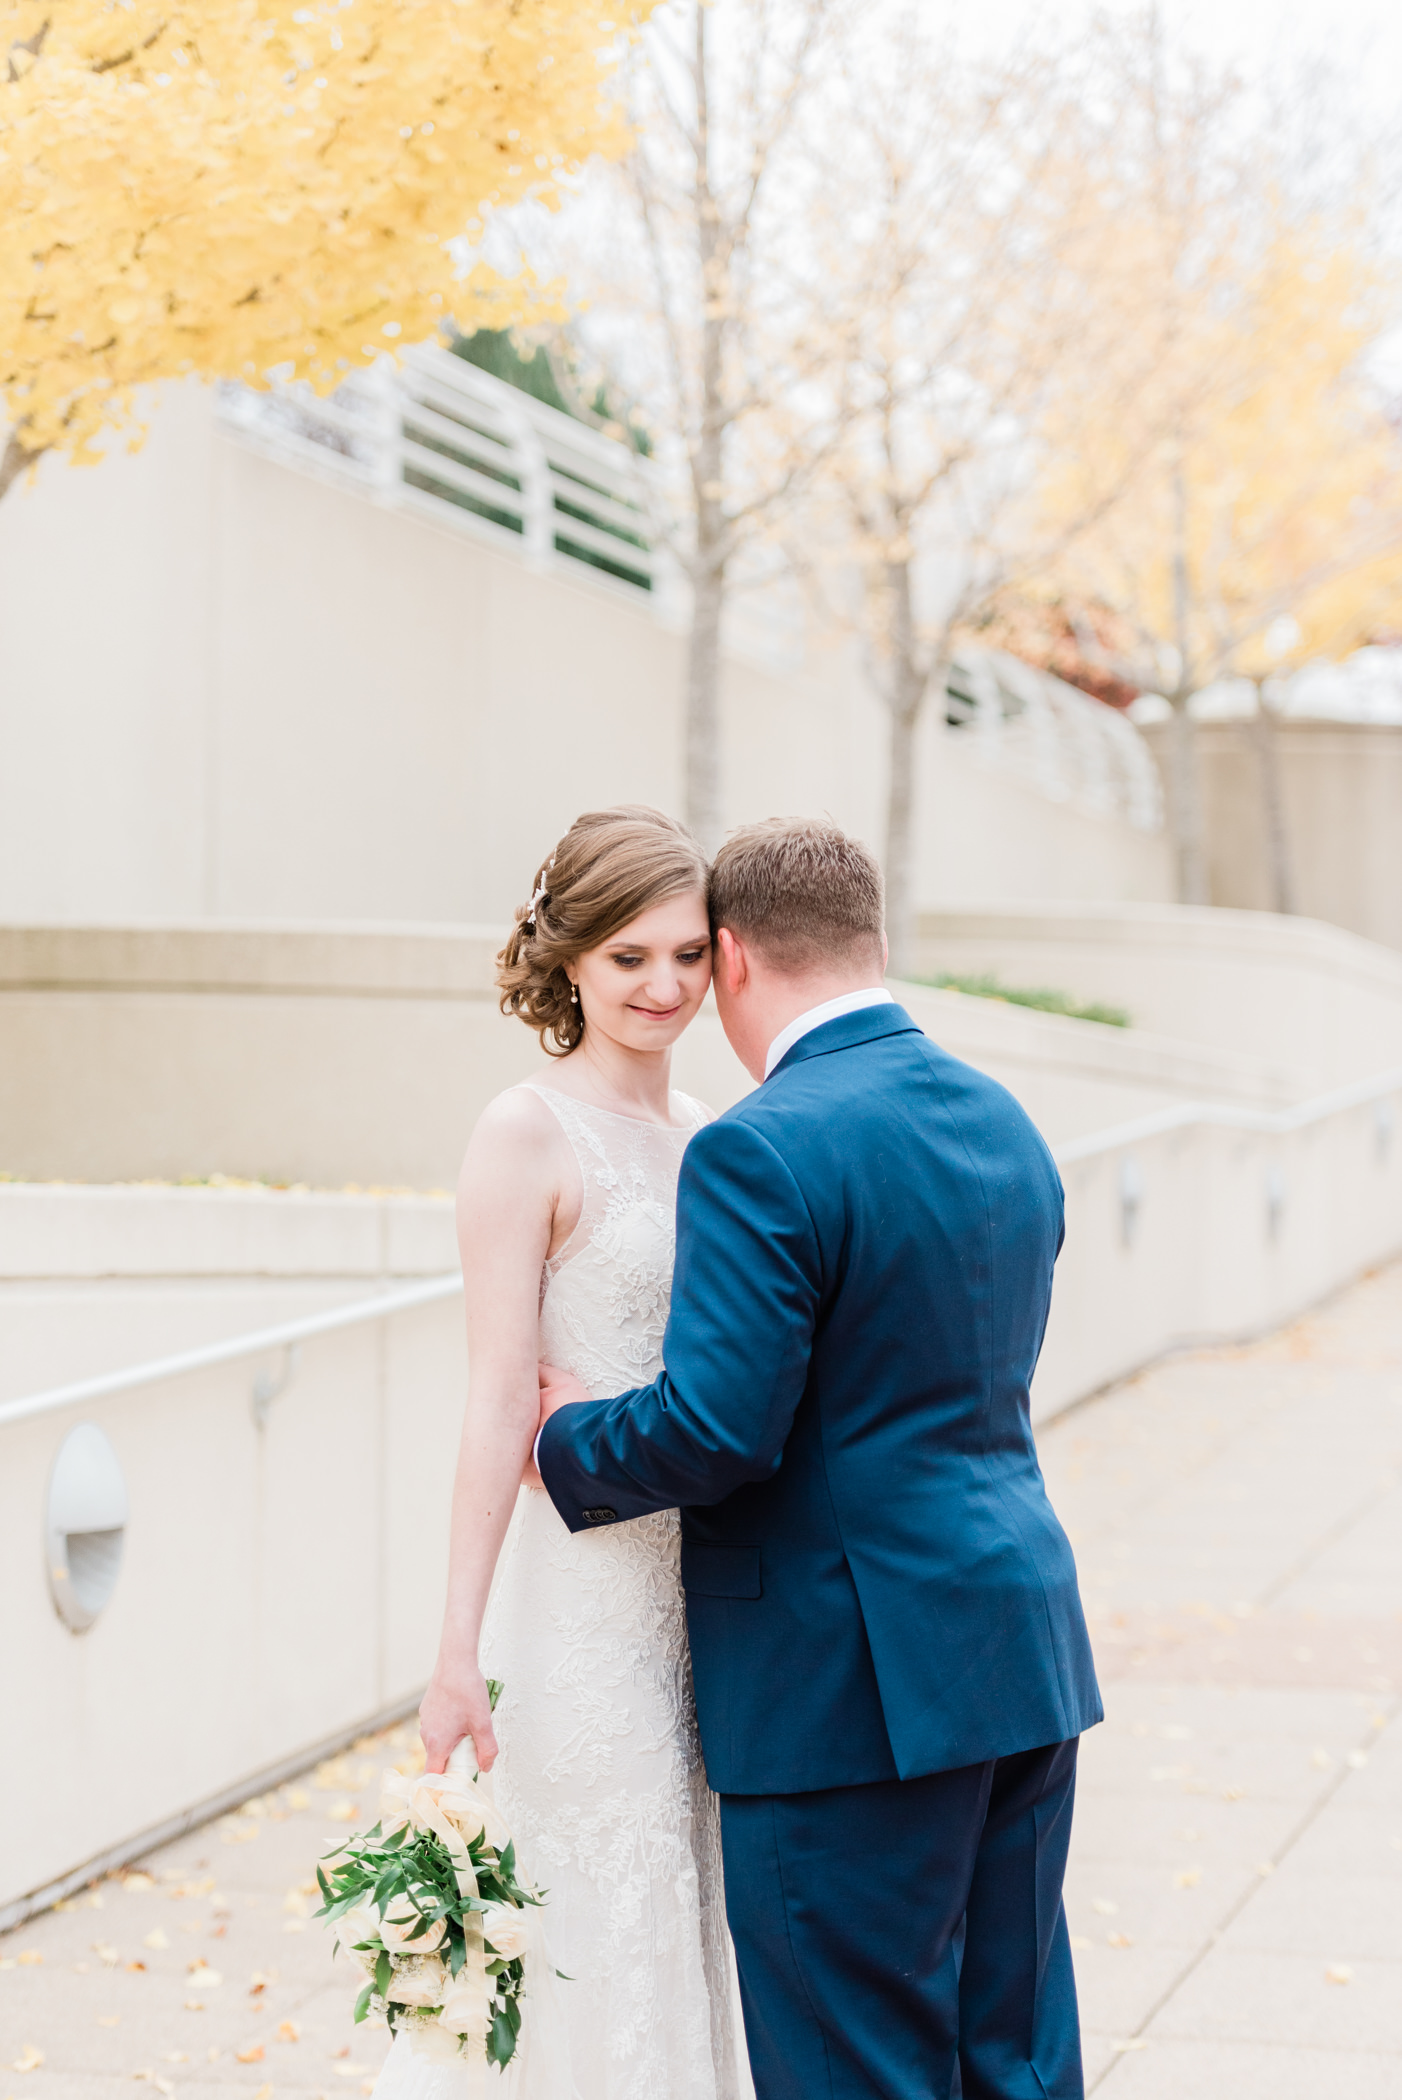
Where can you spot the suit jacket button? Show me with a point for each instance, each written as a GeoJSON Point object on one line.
{"type": "Point", "coordinates": [601, 1516]}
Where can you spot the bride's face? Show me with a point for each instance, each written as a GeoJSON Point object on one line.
{"type": "Point", "coordinates": [642, 985]}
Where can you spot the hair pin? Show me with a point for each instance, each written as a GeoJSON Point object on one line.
{"type": "Point", "coordinates": [542, 894]}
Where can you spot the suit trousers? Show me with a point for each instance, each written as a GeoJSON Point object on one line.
{"type": "Point", "coordinates": [907, 1940]}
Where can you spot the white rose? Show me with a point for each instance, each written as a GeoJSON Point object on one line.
{"type": "Point", "coordinates": [467, 2010]}
{"type": "Point", "coordinates": [428, 2039]}
{"type": "Point", "coordinates": [506, 1930]}
{"type": "Point", "coordinates": [361, 1923]}
{"type": "Point", "coordinates": [397, 1927]}
{"type": "Point", "coordinates": [418, 1979]}
{"type": "Point", "coordinates": [444, 1802]}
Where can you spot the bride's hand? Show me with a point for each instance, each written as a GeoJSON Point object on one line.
{"type": "Point", "coordinates": [457, 1703]}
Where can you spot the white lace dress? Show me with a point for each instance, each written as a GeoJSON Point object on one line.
{"type": "Point", "coordinates": [600, 1775]}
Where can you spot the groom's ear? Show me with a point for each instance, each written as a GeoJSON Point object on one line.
{"type": "Point", "coordinates": [731, 962]}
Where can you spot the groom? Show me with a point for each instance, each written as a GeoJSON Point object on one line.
{"type": "Point", "coordinates": [891, 1662]}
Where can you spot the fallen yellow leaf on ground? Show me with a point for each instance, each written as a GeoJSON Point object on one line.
{"type": "Point", "coordinates": [157, 1940]}
{"type": "Point", "coordinates": [204, 1979]}
{"type": "Point", "coordinates": [1338, 1972]}
{"type": "Point", "coordinates": [289, 2031]}
{"type": "Point", "coordinates": [30, 1958]}
{"type": "Point", "coordinates": [29, 2058]}
{"type": "Point", "coordinates": [253, 2054]}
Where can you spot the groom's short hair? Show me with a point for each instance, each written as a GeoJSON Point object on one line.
{"type": "Point", "coordinates": [801, 892]}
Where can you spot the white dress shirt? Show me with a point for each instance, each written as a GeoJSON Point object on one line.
{"type": "Point", "coordinates": [830, 1010]}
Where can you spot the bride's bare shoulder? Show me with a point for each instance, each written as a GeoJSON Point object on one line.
{"type": "Point", "coordinates": [516, 1119]}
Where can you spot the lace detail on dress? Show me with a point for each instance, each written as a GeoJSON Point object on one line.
{"type": "Point", "coordinates": [600, 1773]}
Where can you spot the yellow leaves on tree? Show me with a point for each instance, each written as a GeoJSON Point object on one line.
{"type": "Point", "coordinates": [225, 187]}
{"type": "Point", "coordinates": [1263, 512]}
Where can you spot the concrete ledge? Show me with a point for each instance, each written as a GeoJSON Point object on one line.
{"type": "Point", "coordinates": [1319, 1005]}
{"type": "Point", "coordinates": [123, 1231]}
{"type": "Point", "coordinates": [340, 1054]}
{"type": "Point", "coordinates": [1197, 931]}
{"type": "Point", "coordinates": [381, 960]}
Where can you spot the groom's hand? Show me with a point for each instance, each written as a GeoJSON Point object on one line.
{"type": "Point", "coordinates": [557, 1389]}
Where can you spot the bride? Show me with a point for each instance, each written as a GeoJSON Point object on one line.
{"type": "Point", "coordinates": [565, 1224]}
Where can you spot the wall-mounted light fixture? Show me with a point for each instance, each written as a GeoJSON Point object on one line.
{"type": "Point", "coordinates": [84, 1526]}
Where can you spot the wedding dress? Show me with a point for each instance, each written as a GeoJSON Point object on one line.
{"type": "Point", "coordinates": [599, 1774]}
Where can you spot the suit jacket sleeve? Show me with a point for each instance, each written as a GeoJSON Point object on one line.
{"type": "Point", "coordinates": [745, 1297]}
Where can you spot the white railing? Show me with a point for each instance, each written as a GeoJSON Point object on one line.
{"type": "Point", "coordinates": [289, 1334]}
{"type": "Point", "coordinates": [1184, 1115]}
{"type": "Point", "coordinates": [1181, 1116]}
{"type": "Point", "coordinates": [1066, 745]}
{"type": "Point", "coordinates": [437, 436]}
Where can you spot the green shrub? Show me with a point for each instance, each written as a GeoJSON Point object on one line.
{"type": "Point", "coordinates": [1044, 1002]}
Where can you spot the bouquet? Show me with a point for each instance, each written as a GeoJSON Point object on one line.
{"type": "Point", "coordinates": [428, 1903]}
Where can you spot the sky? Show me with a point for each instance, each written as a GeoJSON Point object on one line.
{"type": "Point", "coordinates": [1253, 34]}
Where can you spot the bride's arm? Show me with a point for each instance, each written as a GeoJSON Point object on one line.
{"type": "Point", "coordinates": [507, 1199]}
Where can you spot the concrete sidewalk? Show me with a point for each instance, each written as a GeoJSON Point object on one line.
{"type": "Point", "coordinates": [1235, 1892]}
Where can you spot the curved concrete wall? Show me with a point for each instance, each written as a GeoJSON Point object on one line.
{"type": "Point", "coordinates": [230, 689]}
{"type": "Point", "coordinates": [1314, 1002]}
{"type": "Point", "coordinates": [335, 1055]}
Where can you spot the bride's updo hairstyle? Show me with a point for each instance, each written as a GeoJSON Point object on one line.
{"type": "Point", "coordinates": [610, 866]}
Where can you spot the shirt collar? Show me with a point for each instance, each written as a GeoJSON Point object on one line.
{"type": "Point", "coordinates": [830, 1010]}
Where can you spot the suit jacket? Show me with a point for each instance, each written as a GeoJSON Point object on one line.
{"type": "Point", "coordinates": [876, 1585]}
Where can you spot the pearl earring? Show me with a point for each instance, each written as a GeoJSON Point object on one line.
{"type": "Point", "coordinates": [574, 995]}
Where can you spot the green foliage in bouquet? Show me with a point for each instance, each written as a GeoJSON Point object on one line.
{"type": "Point", "coordinates": [435, 1917]}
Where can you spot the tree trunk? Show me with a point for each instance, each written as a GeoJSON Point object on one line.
{"type": "Point", "coordinates": [16, 460]}
{"type": "Point", "coordinates": [905, 697]}
{"type": "Point", "coordinates": [1187, 793]}
{"type": "Point", "coordinates": [1279, 859]}
{"type": "Point", "coordinates": [703, 797]}
{"type": "Point", "coordinates": [900, 843]}
{"type": "Point", "coordinates": [703, 767]}
{"type": "Point", "coordinates": [1186, 805]}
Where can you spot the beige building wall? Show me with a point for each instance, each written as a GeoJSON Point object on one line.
{"type": "Point", "coordinates": [231, 689]}
{"type": "Point", "coordinates": [1341, 790]}
{"type": "Point", "coordinates": [340, 1055]}
{"type": "Point", "coordinates": [1314, 1004]}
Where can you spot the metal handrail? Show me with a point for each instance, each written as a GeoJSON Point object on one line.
{"type": "Point", "coordinates": [1183, 1116]}
{"type": "Point", "coordinates": [284, 1336]}
{"type": "Point", "coordinates": [1265, 1122]}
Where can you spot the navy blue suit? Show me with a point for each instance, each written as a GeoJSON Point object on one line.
{"type": "Point", "coordinates": [879, 1597]}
